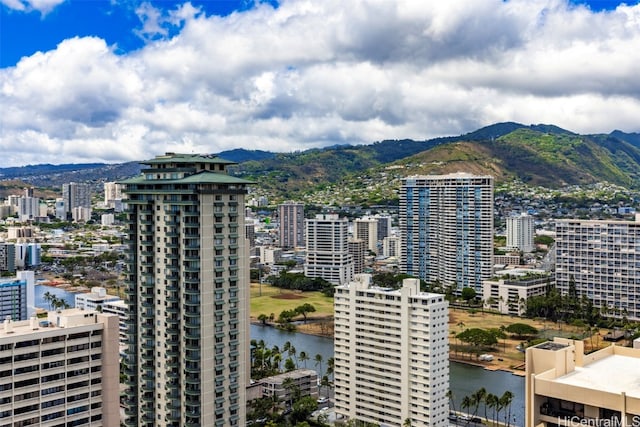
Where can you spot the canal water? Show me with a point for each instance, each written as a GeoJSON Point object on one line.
{"type": "Point", "coordinates": [464, 379]}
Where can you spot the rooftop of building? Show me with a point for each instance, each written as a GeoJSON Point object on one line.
{"type": "Point", "coordinates": [613, 374]}
{"type": "Point", "coordinates": [549, 345]}
{"type": "Point", "coordinates": [203, 177]}
{"type": "Point", "coordinates": [187, 158]}
{"type": "Point", "coordinates": [295, 374]}
{"type": "Point", "coordinates": [73, 317]}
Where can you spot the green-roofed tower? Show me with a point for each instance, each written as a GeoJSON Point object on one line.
{"type": "Point", "coordinates": [187, 292]}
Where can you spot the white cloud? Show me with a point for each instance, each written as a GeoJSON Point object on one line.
{"type": "Point", "coordinates": [42, 6]}
{"type": "Point", "coordinates": [311, 74]}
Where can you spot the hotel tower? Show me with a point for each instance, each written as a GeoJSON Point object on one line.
{"type": "Point", "coordinates": [187, 294]}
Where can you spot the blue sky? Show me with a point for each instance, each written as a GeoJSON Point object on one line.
{"type": "Point", "coordinates": [26, 31]}
{"type": "Point", "coordinates": [119, 80]}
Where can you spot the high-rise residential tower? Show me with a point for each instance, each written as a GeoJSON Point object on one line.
{"type": "Point", "coordinates": [291, 232]}
{"type": "Point", "coordinates": [366, 229]}
{"type": "Point", "coordinates": [520, 232]}
{"type": "Point", "coordinates": [391, 354]}
{"type": "Point", "coordinates": [75, 195]}
{"type": "Point", "coordinates": [446, 227]}
{"type": "Point", "coordinates": [187, 294]}
{"type": "Point", "coordinates": [600, 260]}
{"type": "Point", "coordinates": [328, 255]}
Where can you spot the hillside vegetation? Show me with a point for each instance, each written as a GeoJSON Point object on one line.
{"type": "Point", "coordinates": [543, 155]}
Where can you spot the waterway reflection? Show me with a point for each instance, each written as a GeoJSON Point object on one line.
{"type": "Point", "coordinates": [464, 379]}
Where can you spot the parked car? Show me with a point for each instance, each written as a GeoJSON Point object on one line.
{"type": "Point", "coordinates": [322, 400]}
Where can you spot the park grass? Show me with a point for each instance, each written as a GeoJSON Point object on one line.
{"type": "Point", "coordinates": [267, 299]}
{"type": "Point", "coordinates": [512, 359]}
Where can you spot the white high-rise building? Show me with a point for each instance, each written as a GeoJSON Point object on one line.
{"type": "Point", "coordinates": [291, 231]}
{"type": "Point", "coordinates": [391, 246]}
{"type": "Point", "coordinates": [28, 208]}
{"type": "Point", "coordinates": [328, 256]}
{"type": "Point", "coordinates": [520, 232]}
{"type": "Point", "coordinates": [187, 288]}
{"type": "Point", "coordinates": [366, 229]}
{"type": "Point", "coordinates": [391, 354]}
{"type": "Point", "coordinates": [602, 259]}
{"type": "Point", "coordinates": [446, 227]}
{"type": "Point", "coordinates": [62, 371]}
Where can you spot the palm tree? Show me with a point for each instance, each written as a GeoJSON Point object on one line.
{"type": "Point", "coordinates": [491, 401]}
{"type": "Point", "coordinates": [466, 404]}
{"type": "Point", "coordinates": [304, 357]}
{"type": "Point", "coordinates": [48, 298]}
{"type": "Point", "coordinates": [505, 402]}
{"type": "Point", "coordinates": [478, 398]}
{"type": "Point", "coordinates": [319, 360]}
{"type": "Point", "coordinates": [452, 402]}
{"type": "Point", "coordinates": [331, 365]}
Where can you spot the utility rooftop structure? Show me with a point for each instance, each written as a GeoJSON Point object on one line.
{"type": "Point", "coordinates": [187, 293]}
{"type": "Point", "coordinates": [565, 387]}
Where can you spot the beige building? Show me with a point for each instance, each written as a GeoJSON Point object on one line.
{"type": "Point", "coordinates": [391, 354]}
{"type": "Point", "coordinates": [187, 290]}
{"type": "Point", "coordinates": [366, 229]}
{"type": "Point", "coordinates": [62, 371]}
{"type": "Point", "coordinates": [305, 379]}
{"type": "Point", "coordinates": [565, 387]}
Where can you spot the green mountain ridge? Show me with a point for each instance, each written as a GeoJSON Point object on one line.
{"type": "Point", "coordinates": [540, 154]}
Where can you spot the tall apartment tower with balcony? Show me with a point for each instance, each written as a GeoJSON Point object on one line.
{"type": "Point", "coordinates": [520, 232]}
{"type": "Point", "coordinates": [391, 354]}
{"type": "Point", "coordinates": [328, 256]}
{"type": "Point", "coordinates": [602, 260]}
{"type": "Point", "coordinates": [291, 230]}
{"type": "Point", "coordinates": [187, 294]}
{"type": "Point", "coordinates": [446, 227]}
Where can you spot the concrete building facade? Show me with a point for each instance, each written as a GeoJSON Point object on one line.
{"type": "Point", "coordinates": [357, 249]}
{"type": "Point", "coordinates": [565, 387]}
{"type": "Point", "coordinates": [446, 227]}
{"type": "Point", "coordinates": [187, 293]}
{"type": "Point", "coordinates": [602, 259]}
{"type": "Point", "coordinates": [520, 232]}
{"type": "Point", "coordinates": [366, 229]}
{"type": "Point", "coordinates": [509, 295]}
{"type": "Point", "coordinates": [75, 195]}
{"type": "Point", "coordinates": [17, 296]}
{"type": "Point", "coordinates": [291, 231]}
{"type": "Point", "coordinates": [328, 256]}
{"type": "Point", "coordinates": [391, 354]}
{"type": "Point", "coordinates": [62, 371]}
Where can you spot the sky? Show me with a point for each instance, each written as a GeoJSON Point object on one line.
{"type": "Point", "coordinates": [125, 80]}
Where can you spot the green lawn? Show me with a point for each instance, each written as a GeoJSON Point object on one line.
{"type": "Point", "coordinates": [266, 299]}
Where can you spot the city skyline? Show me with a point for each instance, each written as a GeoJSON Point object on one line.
{"type": "Point", "coordinates": [119, 81]}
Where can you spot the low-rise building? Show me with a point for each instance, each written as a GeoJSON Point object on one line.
{"type": "Point", "coordinates": [509, 294]}
{"type": "Point", "coordinates": [95, 299]}
{"type": "Point", "coordinates": [565, 387]}
{"type": "Point", "coordinates": [306, 380]}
